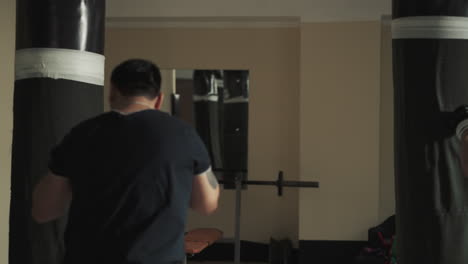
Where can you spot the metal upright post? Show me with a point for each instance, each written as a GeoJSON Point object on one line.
{"type": "Point", "coordinates": [237, 246]}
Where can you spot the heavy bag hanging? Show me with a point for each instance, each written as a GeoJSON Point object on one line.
{"type": "Point", "coordinates": [59, 82]}
{"type": "Point", "coordinates": [430, 58]}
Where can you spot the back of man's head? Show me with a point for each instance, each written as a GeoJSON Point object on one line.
{"type": "Point", "coordinates": [137, 77]}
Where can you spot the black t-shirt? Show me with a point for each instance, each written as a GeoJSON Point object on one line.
{"type": "Point", "coordinates": [131, 177]}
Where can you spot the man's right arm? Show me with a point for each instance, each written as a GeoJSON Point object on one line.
{"type": "Point", "coordinates": [205, 193]}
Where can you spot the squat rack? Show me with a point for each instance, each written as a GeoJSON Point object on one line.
{"type": "Point", "coordinates": [239, 181]}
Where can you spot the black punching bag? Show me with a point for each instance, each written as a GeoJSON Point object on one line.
{"type": "Point", "coordinates": [59, 82]}
{"type": "Point", "coordinates": [430, 59]}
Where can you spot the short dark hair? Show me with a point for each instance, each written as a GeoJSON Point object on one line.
{"type": "Point", "coordinates": [137, 77]}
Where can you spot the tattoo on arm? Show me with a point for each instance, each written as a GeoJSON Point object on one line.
{"type": "Point", "coordinates": [212, 179]}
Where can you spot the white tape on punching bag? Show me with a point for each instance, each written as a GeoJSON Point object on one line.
{"type": "Point", "coordinates": [68, 64]}
{"type": "Point", "coordinates": [430, 27]}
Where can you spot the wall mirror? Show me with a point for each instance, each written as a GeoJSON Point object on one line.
{"type": "Point", "coordinates": [216, 103]}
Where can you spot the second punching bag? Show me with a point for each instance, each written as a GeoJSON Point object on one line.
{"type": "Point", "coordinates": [59, 82]}
{"type": "Point", "coordinates": [430, 52]}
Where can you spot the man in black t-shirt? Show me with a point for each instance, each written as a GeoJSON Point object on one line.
{"type": "Point", "coordinates": [133, 173]}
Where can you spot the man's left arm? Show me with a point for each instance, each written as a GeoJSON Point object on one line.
{"type": "Point", "coordinates": [51, 198]}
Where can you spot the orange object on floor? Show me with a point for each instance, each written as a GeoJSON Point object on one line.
{"type": "Point", "coordinates": [198, 239]}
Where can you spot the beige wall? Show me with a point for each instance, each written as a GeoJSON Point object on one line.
{"type": "Point", "coordinates": [7, 53]}
{"type": "Point", "coordinates": [272, 56]}
{"type": "Point", "coordinates": [339, 128]}
{"type": "Point", "coordinates": [387, 179]}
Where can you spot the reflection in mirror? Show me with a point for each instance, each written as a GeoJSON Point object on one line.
{"type": "Point", "coordinates": [216, 103]}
